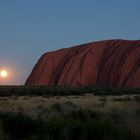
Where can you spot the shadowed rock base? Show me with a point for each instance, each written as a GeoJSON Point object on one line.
{"type": "Point", "coordinates": [104, 63]}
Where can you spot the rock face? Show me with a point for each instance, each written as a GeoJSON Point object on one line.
{"type": "Point", "coordinates": [103, 63]}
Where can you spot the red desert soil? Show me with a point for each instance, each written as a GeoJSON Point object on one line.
{"type": "Point", "coordinates": [103, 63]}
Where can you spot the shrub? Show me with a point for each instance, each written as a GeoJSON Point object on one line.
{"type": "Point", "coordinates": [59, 91]}
{"type": "Point", "coordinates": [137, 98]}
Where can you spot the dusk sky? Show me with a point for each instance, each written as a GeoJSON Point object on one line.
{"type": "Point", "coordinates": [29, 28]}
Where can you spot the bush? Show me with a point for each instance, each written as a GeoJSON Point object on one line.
{"type": "Point", "coordinates": [59, 91]}
{"type": "Point", "coordinates": [137, 98]}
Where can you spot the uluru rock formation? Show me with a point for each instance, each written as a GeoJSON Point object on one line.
{"type": "Point", "coordinates": [104, 63]}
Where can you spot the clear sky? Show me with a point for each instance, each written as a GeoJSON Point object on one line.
{"type": "Point", "coordinates": [29, 28]}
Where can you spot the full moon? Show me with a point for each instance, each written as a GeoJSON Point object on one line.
{"type": "Point", "coordinates": [3, 73]}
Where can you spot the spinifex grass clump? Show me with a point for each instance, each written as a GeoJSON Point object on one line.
{"type": "Point", "coordinates": [75, 125]}
{"type": "Point", "coordinates": [17, 126]}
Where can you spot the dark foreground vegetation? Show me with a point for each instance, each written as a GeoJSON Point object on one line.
{"type": "Point", "coordinates": [51, 90]}
{"type": "Point", "coordinates": [76, 125]}
{"type": "Point", "coordinates": [65, 120]}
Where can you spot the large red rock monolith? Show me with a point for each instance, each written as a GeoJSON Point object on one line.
{"type": "Point", "coordinates": [103, 63]}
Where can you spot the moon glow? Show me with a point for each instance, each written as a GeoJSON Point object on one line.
{"type": "Point", "coordinates": [3, 73]}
